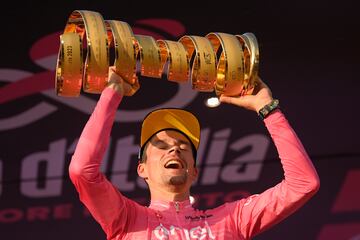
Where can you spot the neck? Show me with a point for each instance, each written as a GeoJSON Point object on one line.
{"type": "Point", "coordinates": [169, 196]}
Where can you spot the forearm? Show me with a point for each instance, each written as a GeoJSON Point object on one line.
{"type": "Point", "coordinates": [105, 203]}
{"type": "Point", "coordinates": [300, 174]}
{"type": "Point", "coordinates": [94, 139]}
{"type": "Point", "coordinates": [261, 211]}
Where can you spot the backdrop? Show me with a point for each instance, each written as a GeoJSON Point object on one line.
{"type": "Point", "coordinates": [308, 56]}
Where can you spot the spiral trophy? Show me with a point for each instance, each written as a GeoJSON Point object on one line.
{"type": "Point", "coordinates": [221, 62]}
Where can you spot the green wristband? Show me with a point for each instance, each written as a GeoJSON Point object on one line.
{"type": "Point", "coordinates": [268, 108]}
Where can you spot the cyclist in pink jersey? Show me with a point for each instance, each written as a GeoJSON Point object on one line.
{"type": "Point", "coordinates": [169, 141]}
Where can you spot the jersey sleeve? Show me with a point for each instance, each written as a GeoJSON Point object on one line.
{"type": "Point", "coordinates": [261, 211]}
{"type": "Point", "coordinates": [113, 211]}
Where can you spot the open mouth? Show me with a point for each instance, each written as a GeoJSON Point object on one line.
{"type": "Point", "coordinates": [174, 164]}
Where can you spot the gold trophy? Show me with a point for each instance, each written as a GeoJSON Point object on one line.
{"type": "Point", "coordinates": [232, 73]}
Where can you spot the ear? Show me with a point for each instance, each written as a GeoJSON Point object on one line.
{"type": "Point", "coordinates": [195, 174]}
{"type": "Point", "coordinates": [141, 170]}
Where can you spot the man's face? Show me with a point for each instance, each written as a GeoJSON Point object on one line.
{"type": "Point", "coordinates": [169, 163]}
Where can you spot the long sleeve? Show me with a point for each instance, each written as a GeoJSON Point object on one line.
{"type": "Point", "coordinates": [261, 211]}
{"type": "Point", "coordinates": [106, 204]}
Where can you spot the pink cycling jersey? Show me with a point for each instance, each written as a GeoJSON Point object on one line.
{"type": "Point", "coordinates": [122, 218]}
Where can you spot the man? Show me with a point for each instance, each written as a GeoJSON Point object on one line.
{"type": "Point", "coordinates": [169, 141]}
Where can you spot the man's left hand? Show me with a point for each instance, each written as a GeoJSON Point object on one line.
{"type": "Point", "coordinates": [258, 99]}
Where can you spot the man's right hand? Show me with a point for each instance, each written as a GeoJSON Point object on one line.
{"type": "Point", "coordinates": [117, 83]}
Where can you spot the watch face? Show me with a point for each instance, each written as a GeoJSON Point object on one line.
{"type": "Point", "coordinates": [264, 111]}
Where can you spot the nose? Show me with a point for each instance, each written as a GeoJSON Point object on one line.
{"type": "Point", "coordinates": [175, 149]}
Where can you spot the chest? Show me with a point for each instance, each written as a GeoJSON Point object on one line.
{"type": "Point", "coordinates": [197, 225]}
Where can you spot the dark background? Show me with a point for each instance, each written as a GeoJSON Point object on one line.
{"type": "Point", "coordinates": [308, 56]}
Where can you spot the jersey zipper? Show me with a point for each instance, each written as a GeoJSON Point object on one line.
{"type": "Point", "coordinates": [177, 207]}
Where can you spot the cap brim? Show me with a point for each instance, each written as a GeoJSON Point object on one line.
{"type": "Point", "coordinates": [171, 118]}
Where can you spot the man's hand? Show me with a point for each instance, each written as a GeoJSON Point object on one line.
{"type": "Point", "coordinates": [117, 83]}
{"type": "Point", "coordinates": [260, 97]}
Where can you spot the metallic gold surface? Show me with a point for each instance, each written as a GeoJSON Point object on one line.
{"type": "Point", "coordinates": [230, 65]}
{"type": "Point", "coordinates": [222, 62]}
{"type": "Point", "coordinates": [150, 59]}
{"type": "Point", "coordinates": [203, 70]}
{"type": "Point", "coordinates": [244, 41]}
{"type": "Point", "coordinates": [175, 56]}
{"type": "Point", "coordinates": [122, 38]}
{"type": "Point", "coordinates": [69, 66]}
{"type": "Point", "coordinates": [251, 50]}
{"type": "Point", "coordinates": [96, 68]}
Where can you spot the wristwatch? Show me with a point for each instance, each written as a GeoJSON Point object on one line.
{"type": "Point", "coordinates": [268, 108]}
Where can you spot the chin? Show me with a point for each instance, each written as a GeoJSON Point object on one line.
{"type": "Point", "coordinates": [179, 180]}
